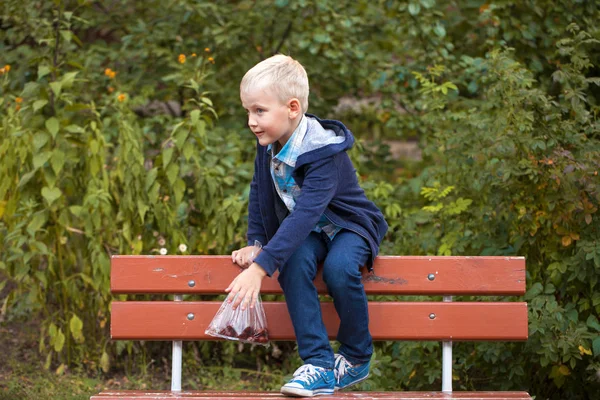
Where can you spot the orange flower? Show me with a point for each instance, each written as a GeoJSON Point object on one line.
{"type": "Point", "coordinates": [211, 60]}
{"type": "Point", "coordinates": [18, 100]}
{"type": "Point", "coordinates": [111, 89]}
{"type": "Point", "coordinates": [206, 49]}
{"type": "Point", "coordinates": [193, 54]}
{"type": "Point", "coordinates": [17, 107]}
{"type": "Point", "coordinates": [110, 73]}
{"type": "Point", "coordinates": [2, 70]}
{"type": "Point", "coordinates": [7, 67]}
{"type": "Point", "coordinates": [181, 58]}
{"type": "Point", "coordinates": [121, 97]}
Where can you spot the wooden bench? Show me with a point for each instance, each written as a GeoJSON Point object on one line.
{"type": "Point", "coordinates": [444, 321]}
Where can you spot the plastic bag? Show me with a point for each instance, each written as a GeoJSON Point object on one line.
{"type": "Point", "coordinates": [248, 326]}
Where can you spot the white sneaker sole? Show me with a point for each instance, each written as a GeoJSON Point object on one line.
{"type": "Point", "coordinates": [352, 384]}
{"type": "Point", "coordinates": [297, 392]}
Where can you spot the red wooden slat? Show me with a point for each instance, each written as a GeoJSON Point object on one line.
{"type": "Point", "coordinates": [215, 395]}
{"type": "Point", "coordinates": [403, 275]}
{"type": "Point", "coordinates": [167, 320]}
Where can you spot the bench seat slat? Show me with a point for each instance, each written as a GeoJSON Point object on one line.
{"type": "Point", "coordinates": [393, 275]}
{"type": "Point", "coordinates": [167, 320]}
{"type": "Point", "coordinates": [215, 395]}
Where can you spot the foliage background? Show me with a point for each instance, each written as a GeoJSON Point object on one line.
{"type": "Point", "coordinates": [121, 133]}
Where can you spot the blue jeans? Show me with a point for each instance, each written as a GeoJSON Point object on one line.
{"type": "Point", "coordinates": [342, 259]}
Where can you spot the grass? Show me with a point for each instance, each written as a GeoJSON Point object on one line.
{"type": "Point", "coordinates": [23, 377]}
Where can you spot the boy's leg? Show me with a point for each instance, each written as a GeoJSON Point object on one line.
{"type": "Point", "coordinates": [296, 279]}
{"type": "Point", "coordinates": [348, 252]}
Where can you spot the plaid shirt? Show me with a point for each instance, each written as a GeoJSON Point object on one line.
{"type": "Point", "coordinates": [282, 165]}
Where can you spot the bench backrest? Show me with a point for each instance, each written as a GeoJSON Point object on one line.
{"type": "Point", "coordinates": [389, 320]}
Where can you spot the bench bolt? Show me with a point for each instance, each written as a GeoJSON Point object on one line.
{"type": "Point", "coordinates": [431, 277]}
{"type": "Point", "coordinates": [190, 316]}
{"type": "Point", "coordinates": [432, 316]}
{"type": "Point", "coordinates": [192, 283]}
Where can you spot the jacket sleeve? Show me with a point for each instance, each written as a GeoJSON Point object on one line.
{"type": "Point", "coordinates": [319, 187]}
{"type": "Point", "coordinates": [256, 229]}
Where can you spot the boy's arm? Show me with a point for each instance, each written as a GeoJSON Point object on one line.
{"type": "Point", "coordinates": [319, 187]}
{"type": "Point", "coordinates": [256, 229]}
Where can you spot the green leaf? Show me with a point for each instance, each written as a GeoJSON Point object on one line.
{"type": "Point", "coordinates": [167, 154]}
{"type": "Point", "coordinates": [142, 209]}
{"type": "Point", "coordinates": [38, 104]}
{"type": "Point", "coordinates": [105, 362]}
{"type": "Point", "coordinates": [596, 346]}
{"type": "Point", "coordinates": [150, 178]}
{"type": "Point", "coordinates": [39, 140]}
{"type": "Point", "coordinates": [592, 322]}
{"type": "Point", "coordinates": [57, 161]}
{"type": "Point", "coordinates": [61, 369]}
{"type": "Point", "coordinates": [56, 88]}
{"type": "Point", "coordinates": [43, 70]}
{"type": "Point", "coordinates": [76, 327]}
{"type": "Point", "coordinates": [66, 35]}
{"type": "Point", "coordinates": [535, 290]}
{"type": "Point", "coordinates": [414, 9]}
{"type": "Point", "coordinates": [172, 173]}
{"type": "Point", "coordinates": [59, 341]}
{"type": "Point", "coordinates": [36, 223]}
{"type": "Point", "coordinates": [26, 178]}
{"type": "Point", "coordinates": [48, 361]}
{"type": "Point", "coordinates": [52, 126]}
{"type": "Point", "coordinates": [194, 115]}
{"type": "Point", "coordinates": [40, 159]}
{"type": "Point", "coordinates": [68, 79]}
{"type": "Point", "coordinates": [51, 195]}
{"type": "Point", "coordinates": [439, 30]}
{"type": "Point", "coordinates": [181, 137]}
{"type": "Point", "coordinates": [188, 151]}
{"type": "Point", "coordinates": [75, 129]}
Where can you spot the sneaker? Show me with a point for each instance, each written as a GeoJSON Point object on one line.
{"type": "Point", "coordinates": [347, 374]}
{"type": "Point", "coordinates": [310, 381]}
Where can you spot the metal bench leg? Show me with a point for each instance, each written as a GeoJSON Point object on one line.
{"type": "Point", "coordinates": [176, 360]}
{"type": "Point", "coordinates": [447, 361]}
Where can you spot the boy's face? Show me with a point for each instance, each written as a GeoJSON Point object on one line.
{"type": "Point", "coordinates": [270, 119]}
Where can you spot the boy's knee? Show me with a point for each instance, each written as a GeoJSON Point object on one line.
{"type": "Point", "coordinates": [301, 265]}
{"type": "Point", "coordinates": [340, 272]}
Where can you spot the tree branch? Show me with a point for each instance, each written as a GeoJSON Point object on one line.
{"type": "Point", "coordinates": [287, 32]}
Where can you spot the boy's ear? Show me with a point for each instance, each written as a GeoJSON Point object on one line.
{"type": "Point", "coordinates": [294, 108]}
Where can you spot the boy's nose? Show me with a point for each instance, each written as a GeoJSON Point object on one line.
{"type": "Point", "coordinates": [251, 122]}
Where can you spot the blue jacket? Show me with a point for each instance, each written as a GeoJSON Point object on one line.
{"type": "Point", "coordinates": [328, 184]}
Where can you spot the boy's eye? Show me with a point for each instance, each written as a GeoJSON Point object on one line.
{"type": "Point", "coordinates": [259, 110]}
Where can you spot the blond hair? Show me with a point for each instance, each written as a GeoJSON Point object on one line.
{"type": "Point", "coordinates": [285, 77]}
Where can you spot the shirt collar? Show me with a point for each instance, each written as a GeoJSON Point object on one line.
{"type": "Point", "coordinates": [291, 150]}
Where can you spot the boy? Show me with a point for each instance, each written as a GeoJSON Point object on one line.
{"type": "Point", "coordinates": [307, 208]}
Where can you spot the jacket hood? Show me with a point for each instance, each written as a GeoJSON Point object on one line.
{"type": "Point", "coordinates": [324, 138]}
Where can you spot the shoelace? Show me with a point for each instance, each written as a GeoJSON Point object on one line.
{"type": "Point", "coordinates": [341, 366]}
{"type": "Point", "coordinates": [307, 373]}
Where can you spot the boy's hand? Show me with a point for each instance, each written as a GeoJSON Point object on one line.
{"type": "Point", "coordinates": [246, 286]}
{"type": "Point", "coordinates": [245, 256]}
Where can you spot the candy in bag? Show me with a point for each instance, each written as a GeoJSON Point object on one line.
{"type": "Point", "coordinates": [248, 326]}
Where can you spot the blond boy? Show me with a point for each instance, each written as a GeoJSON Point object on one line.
{"type": "Point", "coordinates": [307, 208]}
